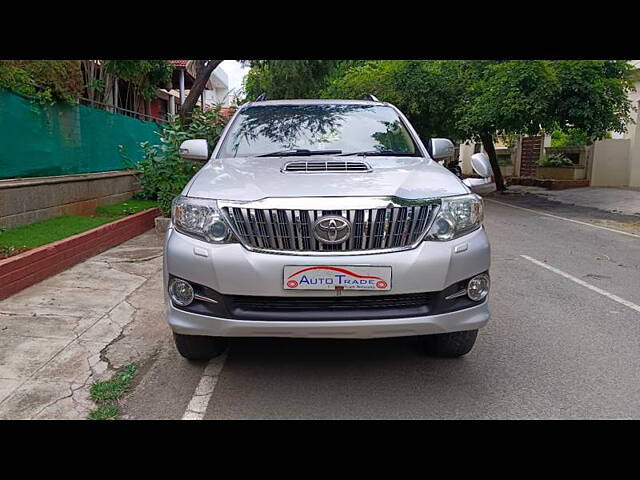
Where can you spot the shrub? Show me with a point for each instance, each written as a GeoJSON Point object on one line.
{"type": "Point", "coordinates": [163, 173]}
{"type": "Point", "coordinates": [47, 81]}
{"type": "Point", "coordinates": [571, 137]}
{"type": "Point", "coordinates": [555, 160]}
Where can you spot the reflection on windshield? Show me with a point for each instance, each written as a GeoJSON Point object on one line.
{"type": "Point", "coordinates": [262, 130]}
{"type": "Point", "coordinates": [395, 137]}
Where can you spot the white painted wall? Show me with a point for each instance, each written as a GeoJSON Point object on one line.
{"type": "Point", "coordinates": [466, 150]}
{"type": "Point", "coordinates": [611, 163]}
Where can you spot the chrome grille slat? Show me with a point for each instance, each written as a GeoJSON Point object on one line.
{"type": "Point", "coordinates": [255, 226]}
{"type": "Point", "coordinates": [275, 218]}
{"type": "Point", "coordinates": [343, 245]}
{"type": "Point", "coordinates": [291, 230]}
{"type": "Point", "coordinates": [269, 227]}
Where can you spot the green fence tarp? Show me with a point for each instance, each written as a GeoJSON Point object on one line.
{"type": "Point", "coordinates": [40, 141]}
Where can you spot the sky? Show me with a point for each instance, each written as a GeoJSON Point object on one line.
{"type": "Point", "coordinates": [235, 72]}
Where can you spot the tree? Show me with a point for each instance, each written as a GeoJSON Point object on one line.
{"type": "Point", "coordinates": [292, 78]}
{"type": "Point", "coordinates": [204, 69]}
{"type": "Point", "coordinates": [593, 96]}
{"type": "Point", "coordinates": [479, 100]}
{"type": "Point", "coordinates": [503, 98]}
{"type": "Point", "coordinates": [527, 97]}
{"type": "Point", "coordinates": [426, 92]}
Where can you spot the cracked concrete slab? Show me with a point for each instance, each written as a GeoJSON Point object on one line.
{"type": "Point", "coordinates": [94, 276]}
{"type": "Point", "coordinates": [72, 364]}
{"type": "Point", "coordinates": [52, 300]}
{"type": "Point", "coordinates": [110, 326]}
{"type": "Point", "coordinates": [21, 357]}
{"type": "Point", "coordinates": [148, 334]}
{"type": "Point", "coordinates": [7, 386]}
{"type": "Point", "coordinates": [44, 326]}
{"type": "Point", "coordinates": [55, 337]}
{"type": "Point", "coordinates": [33, 397]}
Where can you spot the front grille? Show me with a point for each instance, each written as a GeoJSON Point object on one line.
{"type": "Point", "coordinates": [331, 303]}
{"type": "Point", "coordinates": [322, 167]}
{"type": "Point", "coordinates": [392, 227]}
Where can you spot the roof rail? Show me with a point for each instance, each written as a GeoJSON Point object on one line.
{"type": "Point", "coordinates": [261, 97]}
{"type": "Point", "coordinates": [368, 96]}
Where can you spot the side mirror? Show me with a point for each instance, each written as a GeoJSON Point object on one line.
{"type": "Point", "coordinates": [440, 148]}
{"type": "Point", "coordinates": [482, 166]}
{"type": "Point", "coordinates": [194, 149]}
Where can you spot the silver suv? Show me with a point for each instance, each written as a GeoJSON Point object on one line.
{"type": "Point", "coordinates": [325, 218]}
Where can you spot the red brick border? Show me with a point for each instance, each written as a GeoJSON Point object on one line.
{"type": "Point", "coordinates": [23, 270]}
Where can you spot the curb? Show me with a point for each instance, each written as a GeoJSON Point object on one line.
{"type": "Point", "coordinates": [25, 269]}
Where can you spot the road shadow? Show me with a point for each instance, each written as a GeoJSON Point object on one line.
{"type": "Point", "coordinates": [330, 378]}
{"type": "Point", "coordinates": [564, 209]}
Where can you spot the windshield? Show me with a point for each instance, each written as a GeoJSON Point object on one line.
{"type": "Point", "coordinates": [331, 129]}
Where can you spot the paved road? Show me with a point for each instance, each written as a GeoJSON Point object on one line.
{"type": "Point", "coordinates": [554, 348]}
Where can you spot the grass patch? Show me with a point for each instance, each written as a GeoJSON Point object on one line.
{"type": "Point", "coordinates": [106, 394]}
{"type": "Point", "coordinates": [47, 231]}
{"type": "Point", "coordinates": [125, 208]}
{"type": "Point", "coordinates": [104, 412]}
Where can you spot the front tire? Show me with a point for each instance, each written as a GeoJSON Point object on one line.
{"type": "Point", "coordinates": [196, 347]}
{"type": "Point", "coordinates": [454, 344]}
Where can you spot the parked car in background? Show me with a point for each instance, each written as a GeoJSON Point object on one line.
{"type": "Point", "coordinates": [325, 218]}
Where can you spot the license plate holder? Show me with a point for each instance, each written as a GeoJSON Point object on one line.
{"type": "Point", "coordinates": [332, 277]}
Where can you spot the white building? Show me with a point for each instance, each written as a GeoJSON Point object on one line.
{"type": "Point", "coordinates": [616, 162]}
{"type": "Point", "coordinates": [216, 91]}
{"type": "Point", "coordinates": [218, 94]}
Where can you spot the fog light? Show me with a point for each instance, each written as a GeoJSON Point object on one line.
{"type": "Point", "coordinates": [181, 292]}
{"type": "Point", "coordinates": [478, 287]}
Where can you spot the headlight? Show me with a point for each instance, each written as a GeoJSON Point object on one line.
{"type": "Point", "coordinates": [201, 218]}
{"type": "Point", "coordinates": [457, 216]}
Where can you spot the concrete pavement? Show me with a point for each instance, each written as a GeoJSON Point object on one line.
{"type": "Point", "coordinates": [56, 335]}
{"type": "Point", "coordinates": [553, 349]}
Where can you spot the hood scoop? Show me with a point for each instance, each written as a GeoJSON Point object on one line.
{"type": "Point", "coordinates": [332, 166]}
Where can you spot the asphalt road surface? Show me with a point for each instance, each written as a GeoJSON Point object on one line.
{"type": "Point", "coordinates": [563, 342]}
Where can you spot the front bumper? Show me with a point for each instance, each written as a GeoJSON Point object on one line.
{"type": "Point", "coordinates": [194, 324]}
{"type": "Point", "coordinates": [233, 270]}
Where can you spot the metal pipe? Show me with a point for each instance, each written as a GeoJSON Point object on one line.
{"type": "Point", "coordinates": [172, 108]}
{"type": "Point", "coordinates": [182, 86]}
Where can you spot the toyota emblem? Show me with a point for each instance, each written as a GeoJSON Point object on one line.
{"type": "Point", "coordinates": [332, 229]}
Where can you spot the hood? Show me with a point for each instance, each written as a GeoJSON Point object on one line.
{"type": "Point", "coordinates": [255, 178]}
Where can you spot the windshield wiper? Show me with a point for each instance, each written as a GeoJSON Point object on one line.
{"type": "Point", "coordinates": [300, 152]}
{"type": "Point", "coordinates": [380, 153]}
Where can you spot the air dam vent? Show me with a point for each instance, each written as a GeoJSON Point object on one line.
{"type": "Point", "coordinates": [323, 167]}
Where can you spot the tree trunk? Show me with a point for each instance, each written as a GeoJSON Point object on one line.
{"type": "Point", "coordinates": [487, 143]}
{"type": "Point", "coordinates": [196, 90]}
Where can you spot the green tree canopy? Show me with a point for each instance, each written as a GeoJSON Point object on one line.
{"type": "Point", "coordinates": [284, 79]}
{"type": "Point", "coordinates": [147, 75]}
{"type": "Point", "coordinates": [478, 100]}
